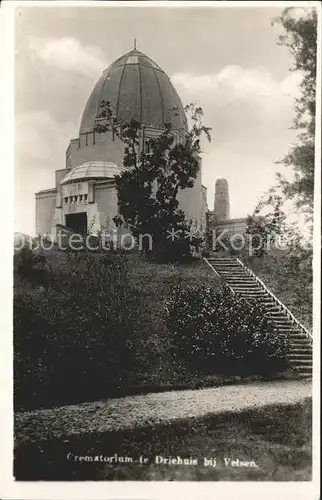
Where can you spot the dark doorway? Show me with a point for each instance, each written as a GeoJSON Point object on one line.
{"type": "Point", "coordinates": [77, 222]}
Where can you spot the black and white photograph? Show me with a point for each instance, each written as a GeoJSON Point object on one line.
{"type": "Point", "coordinates": [165, 245]}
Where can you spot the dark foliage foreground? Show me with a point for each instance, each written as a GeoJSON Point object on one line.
{"type": "Point", "coordinates": [278, 438]}
{"type": "Point", "coordinates": [89, 326]}
{"type": "Point", "coordinates": [224, 333]}
{"type": "Point", "coordinates": [75, 332]}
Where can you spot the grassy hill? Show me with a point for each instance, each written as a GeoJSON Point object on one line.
{"type": "Point", "coordinates": [93, 326]}
{"type": "Point", "coordinates": [54, 305]}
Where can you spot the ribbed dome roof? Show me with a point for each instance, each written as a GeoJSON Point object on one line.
{"type": "Point", "coordinates": [138, 89]}
{"type": "Point", "coordinates": [92, 170]}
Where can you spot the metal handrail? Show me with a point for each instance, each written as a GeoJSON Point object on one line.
{"type": "Point", "coordinates": [282, 306]}
{"type": "Point", "coordinates": [214, 270]}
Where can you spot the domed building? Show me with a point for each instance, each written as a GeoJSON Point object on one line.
{"type": "Point", "coordinates": [85, 193]}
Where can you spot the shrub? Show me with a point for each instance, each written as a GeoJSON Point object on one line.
{"type": "Point", "coordinates": [75, 336]}
{"type": "Point", "coordinates": [221, 333]}
{"type": "Point", "coordinates": [31, 267]}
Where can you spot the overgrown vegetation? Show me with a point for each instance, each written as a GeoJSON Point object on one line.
{"type": "Point", "coordinates": [300, 37]}
{"type": "Point", "coordinates": [90, 325]}
{"type": "Point", "coordinates": [289, 277]}
{"type": "Point", "coordinates": [219, 332]}
{"type": "Point", "coordinates": [94, 325]}
{"type": "Point", "coordinates": [75, 331]}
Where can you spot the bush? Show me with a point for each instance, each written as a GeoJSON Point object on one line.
{"type": "Point", "coordinates": [31, 267]}
{"type": "Point", "coordinates": [221, 333]}
{"type": "Point", "coordinates": [75, 336]}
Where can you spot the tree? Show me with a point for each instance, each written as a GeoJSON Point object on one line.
{"type": "Point", "coordinates": [149, 185]}
{"type": "Point", "coordinates": [288, 270]}
{"type": "Point", "coordinates": [264, 228]}
{"type": "Point", "coordinates": [279, 254]}
{"type": "Point", "coordinates": [300, 38]}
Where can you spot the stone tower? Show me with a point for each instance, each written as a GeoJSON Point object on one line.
{"type": "Point", "coordinates": [221, 206]}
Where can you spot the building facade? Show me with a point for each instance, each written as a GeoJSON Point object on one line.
{"type": "Point", "coordinates": [84, 196]}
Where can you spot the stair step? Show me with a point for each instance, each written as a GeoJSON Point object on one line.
{"type": "Point", "coordinates": [293, 335]}
{"type": "Point", "coordinates": [291, 331]}
{"type": "Point", "coordinates": [228, 265]}
{"type": "Point", "coordinates": [245, 293]}
{"type": "Point", "coordinates": [300, 359]}
{"type": "Point", "coordinates": [302, 362]}
{"type": "Point", "coordinates": [295, 345]}
{"type": "Point", "coordinates": [239, 277]}
{"type": "Point", "coordinates": [288, 329]}
{"type": "Point", "coordinates": [233, 274]}
{"type": "Point", "coordinates": [296, 339]}
{"type": "Point", "coordinates": [242, 283]}
{"type": "Point", "coordinates": [300, 351]}
{"type": "Point", "coordinates": [308, 354]}
{"type": "Point", "coordinates": [239, 280]}
{"type": "Point", "coordinates": [284, 323]}
{"type": "Point", "coordinates": [281, 314]}
{"type": "Point", "coordinates": [222, 259]}
{"type": "Point", "coordinates": [237, 273]}
{"type": "Point", "coordinates": [287, 320]}
{"type": "Point", "coordinates": [303, 368]}
{"type": "Point", "coordinates": [236, 279]}
{"type": "Point", "coordinates": [285, 327]}
{"type": "Point", "coordinates": [242, 288]}
{"type": "Point", "coordinates": [228, 271]}
{"type": "Point", "coordinates": [245, 286]}
{"type": "Point", "coordinates": [300, 356]}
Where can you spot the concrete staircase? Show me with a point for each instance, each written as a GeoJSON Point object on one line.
{"type": "Point", "coordinates": [244, 283]}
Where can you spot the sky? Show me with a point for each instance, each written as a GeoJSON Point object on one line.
{"type": "Point", "coordinates": [225, 59]}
